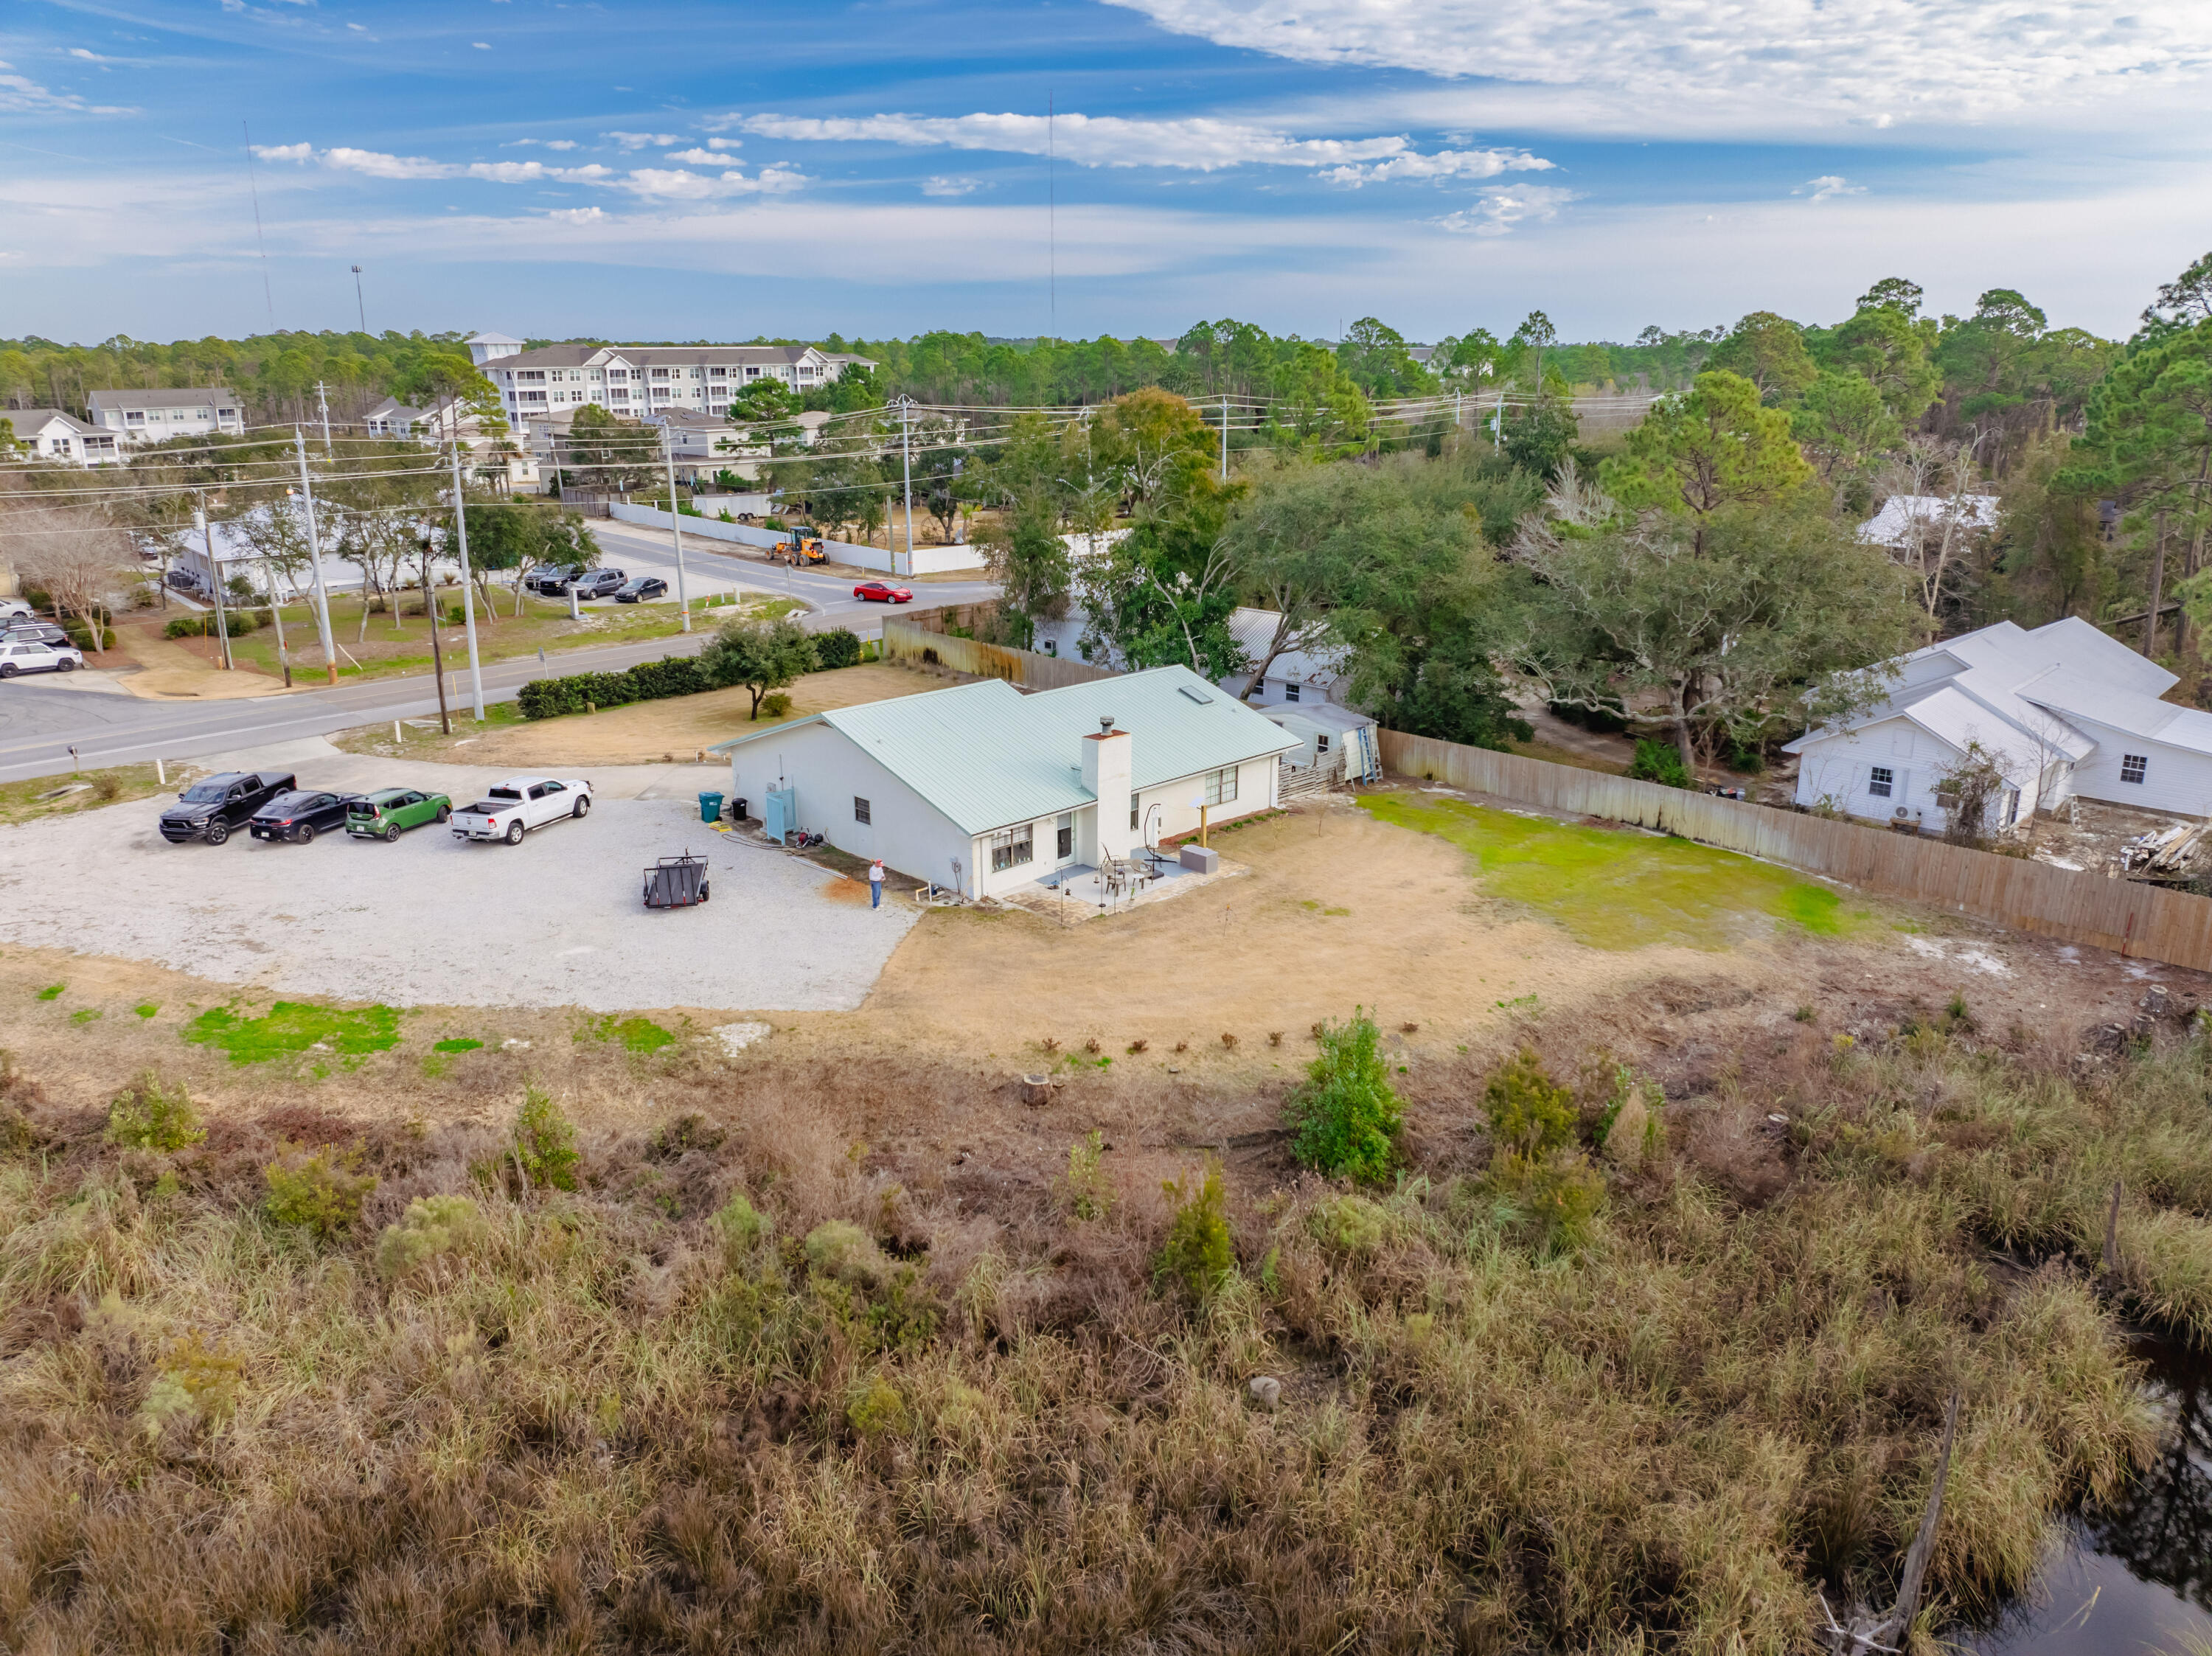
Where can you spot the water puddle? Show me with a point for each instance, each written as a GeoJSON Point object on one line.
{"type": "Point", "coordinates": [2137, 1577]}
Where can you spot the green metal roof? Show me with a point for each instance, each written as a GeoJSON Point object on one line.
{"type": "Point", "coordinates": [986, 755]}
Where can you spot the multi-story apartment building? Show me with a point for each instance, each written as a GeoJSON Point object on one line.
{"type": "Point", "coordinates": [640, 381]}
{"type": "Point", "coordinates": [152, 416]}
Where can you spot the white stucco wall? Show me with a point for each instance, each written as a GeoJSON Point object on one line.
{"type": "Point", "coordinates": [1841, 769]}
{"type": "Point", "coordinates": [826, 772]}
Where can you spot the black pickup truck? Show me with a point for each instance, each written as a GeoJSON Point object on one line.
{"type": "Point", "coordinates": [214, 805]}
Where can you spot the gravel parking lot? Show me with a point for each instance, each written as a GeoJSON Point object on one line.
{"type": "Point", "coordinates": [429, 920]}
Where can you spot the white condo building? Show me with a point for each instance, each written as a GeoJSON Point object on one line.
{"type": "Point", "coordinates": [637, 381]}
{"type": "Point", "coordinates": [151, 416]}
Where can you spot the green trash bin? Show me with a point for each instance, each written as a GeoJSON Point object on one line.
{"type": "Point", "coordinates": [710, 807]}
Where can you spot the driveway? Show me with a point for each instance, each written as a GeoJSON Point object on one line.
{"type": "Point", "coordinates": [431, 920]}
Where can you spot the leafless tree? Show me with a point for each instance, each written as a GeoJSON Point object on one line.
{"type": "Point", "coordinates": [1935, 537]}
{"type": "Point", "coordinates": [76, 555]}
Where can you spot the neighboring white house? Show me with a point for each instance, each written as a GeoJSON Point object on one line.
{"type": "Point", "coordinates": [51, 434]}
{"type": "Point", "coordinates": [153, 416]}
{"type": "Point", "coordinates": [1336, 744]}
{"type": "Point", "coordinates": [2065, 710]}
{"type": "Point", "coordinates": [984, 790]}
{"type": "Point", "coordinates": [1911, 521]}
{"type": "Point", "coordinates": [1302, 677]}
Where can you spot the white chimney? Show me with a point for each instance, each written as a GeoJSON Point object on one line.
{"type": "Point", "coordinates": [1106, 773]}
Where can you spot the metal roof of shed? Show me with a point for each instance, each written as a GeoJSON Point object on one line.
{"type": "Point", "coordinates": [986, 755]}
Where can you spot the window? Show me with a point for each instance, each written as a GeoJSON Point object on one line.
{"type": "Point", "coordinates": [1133, 809]}
{"type": "Point", "coordinates": [1881, 783]}
{"type": "Point", "coordinates": [1289, 692]}
{"type": "Point", "coordinates": [860, 809]}
{"type": "Point", "coordinates": [718, 373]}
{"type": "Point", "coordinates": [1221, 785]}
{"type": "Point", "coordinates": [2132, 766]}
{"type": "Point", "coordinates": [660, 373]}
{"type": "Point", "coordinates": [1321, 744]}
{"type": "Point", "coordinates": [134, 417]}
{"type": "Point", "coordinates": [1064, 840]}
{"type": "Point", "coordinates": [1011, 847]}
{"type": "Point", "coordinates": [752, 373]}
{"type": "Point", "coordinates": [617, 376]}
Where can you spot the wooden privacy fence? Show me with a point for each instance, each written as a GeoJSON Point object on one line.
{"type": "Point", "coordinates": [909, 638]}
{"type": "Point", "coordinates": [2124, 915]}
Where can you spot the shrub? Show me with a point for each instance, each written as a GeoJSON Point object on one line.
{"type": "Point", "coordinates": [319, 1195]}
{"type": "Point", "coordinates": [1351, 1224]}
{"type": "Point", "coordinates": [874, 1407]}
{"type": "Point", "coordinates": [238, 623]}
{"type": "Point", "coordinates": [545, 1141]}
{"type": "Point", "coordinates": [836, 648]}
{"type": "Point", "coordinates": [1555, 1199]}
{"type": "Point", "coordinates": [1660, 762]}
{"type": "Point", "coordinates": [649, 681]}
{"type": "Point", "coordinates": [1090, 1193]}
{"type": "Point", "coordinates": [80, 635]}
{"type": "Point", "coordinates": [432, 1225]}
{"type": "Point", "coordinates": [775, 706]}
{"type": "Point", "coordinates": [1347, 1114]}
{"type": "Point", "coordinates": [1529, 1112]}
{"type": "Point", "coordinates": [840, 1249]}
{"type": "Point", "coordinates": [1197, 1254]}
{"type": "Point", "coordinates": [152, 1117]}
{"type": "Point", "coordinates": [741, 1223]}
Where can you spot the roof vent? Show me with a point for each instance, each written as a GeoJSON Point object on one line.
{"type": "Point", "coordinates": [1196, 695]}
{"type": "Point", "coordinates": [1105, 724]}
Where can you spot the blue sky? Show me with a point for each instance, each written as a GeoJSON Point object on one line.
{"type": "Point", "coordinates": [700, 168]}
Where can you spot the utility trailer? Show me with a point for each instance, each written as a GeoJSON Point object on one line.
{"type": "Point", "coordinates": [676, 882]}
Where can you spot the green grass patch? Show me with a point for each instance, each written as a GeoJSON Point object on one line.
{"type": "Point", "coordinates": [634, 1035]}
{"type": "Point", "coordinates": [295, 1026]}
{"type": "Point", "coordinates": [146, 1009]}
{"type": "Point", "coordinates": [52, 992]}
{"type": "Point", "coordinates": [1612, 888]}
{"type": "Point", "coordinates": [457, 1046]}
{"type": "Point", "coordinates": [86, 1014]}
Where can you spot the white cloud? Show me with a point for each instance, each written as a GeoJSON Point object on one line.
{"type": "Point", "coordinates": [21, 95]}
{"type": "Point", "coordinates": [358, 28]}
{"type": "Point", "coordinates": [724, 143]}
{"type": "Point", "coordinates": [576, 214]}
{"type": "Point", "coordinates": [652, 182]}
{"type": "Point", "coordinates": [559, 144]}
{"type": "Point", "coordinates": [697, 157]}
{"type": "Point", "coordinates": [481, 45]}
{"type": "Point", "coordinates": [1499, 208]}
{"type": "Point", "coordinates": [1860, 59]}
{"type": "Point", "coordinates": [943, 186]}
{"type": "Point", "coordinates": [1199, 143]}
{"type": "Point", "coordinates": [88, 57]}
{"type": "Point", "coordinates": [639, 140]}
{"type": "Point", "coordinates": [1828, 187]}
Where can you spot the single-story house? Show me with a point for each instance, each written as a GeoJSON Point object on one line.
{"type": "Point", "coordinates": [56, 434]}
{"type": "Point", "coordinates": [1335, 743]}
{"type": "Point", "coordinates": [2066, 710]}
{"type": "Point", "coordinates": [984, 790]}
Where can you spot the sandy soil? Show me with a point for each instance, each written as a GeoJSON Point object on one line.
{"type": "Point", "coordinates": [646, 732]}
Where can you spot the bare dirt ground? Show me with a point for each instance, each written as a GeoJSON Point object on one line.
{"type": "Point", "coordinates": [644, 732]}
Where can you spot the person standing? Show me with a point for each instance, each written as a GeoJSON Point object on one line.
{"type": "Point", "coordinates": [876, 883]}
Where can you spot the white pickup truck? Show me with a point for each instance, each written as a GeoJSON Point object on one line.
{"type": "Point", "coordinates": [515, 806]}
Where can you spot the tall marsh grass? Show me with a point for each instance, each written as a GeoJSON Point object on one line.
{"type": "Point", "coordinates": [729, 1394]}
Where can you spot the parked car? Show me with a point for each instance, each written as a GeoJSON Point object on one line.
{"type": "Point", "coordinates": [521, 803]}
{"type": "Point", "coordinates": [33, 631]}
{"type": "Point", "coordinates": [639, 588]}
{"type": "Point", "coordinates": [599, 583]}
{"type": "Point", "coordinates": [552, 583]}
{"type": "Point", "coordinates": [14, 610]}
{"type": "Point", "coordinates": [299, 815]}
{"type": "Point", "coordinates": [214, 805]}
{"type": "Point", "coordinates": [389, 812]}
{"type": "Point", "coordinates": [31, 656]}
{"type": "Point", "coordinates": [876, 592]}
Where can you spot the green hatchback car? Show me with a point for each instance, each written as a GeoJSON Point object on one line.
{"type": "Point", "coordinates": [388, 813]}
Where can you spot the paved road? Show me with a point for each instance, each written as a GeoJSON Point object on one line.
{"type": "Point", "coordinates": [39, 723]}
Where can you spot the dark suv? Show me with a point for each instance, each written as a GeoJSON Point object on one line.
{"type": "Point", "coordinates": [214, 805]}
{"type": "Point", "coordinates": [598, 583]}
{"type": "Point", "coordinates": [552, 583]}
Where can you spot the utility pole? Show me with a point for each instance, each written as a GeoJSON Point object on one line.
{"type": "Point", "coordinates": [437, 655]}
{"type": "Point", "coordinates": [675, 523]}
{"type": "Point", "coordinates": [906, 466]}
{"type": "Point", "coordinates": [315, 563]}
{"type": "Point", "coordinates": [323, 400]}
{"type": "Point", "coordinates": [468, 596]}
{"type": "Point", "coordinates": [214, 577]}
{"type": "Point", "coordinates": [1225, 439]}
{"type": "Point", "coordinates": [359, 304]}
{"type": "Point", "coordinates": [276, 616]}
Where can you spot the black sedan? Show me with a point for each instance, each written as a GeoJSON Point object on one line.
{"type": "Point", "coordinates": [599, 583]}
{"type": "Point", "coordinates": [642, 587]}
{"type": "Point", "coordinates": [300, 816]}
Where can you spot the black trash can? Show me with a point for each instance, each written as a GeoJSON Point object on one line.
{"type": "Point", "coordinates": [736, 811]}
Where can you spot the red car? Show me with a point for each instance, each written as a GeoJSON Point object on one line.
{"type": "Point", "coordinates": [874, 591]}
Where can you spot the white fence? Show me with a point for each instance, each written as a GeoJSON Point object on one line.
{"type": "Point", "coordinates": [925, 561]}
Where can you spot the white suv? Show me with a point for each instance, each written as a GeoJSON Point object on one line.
{"type": "Point", "coordinates": [34, 657]}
